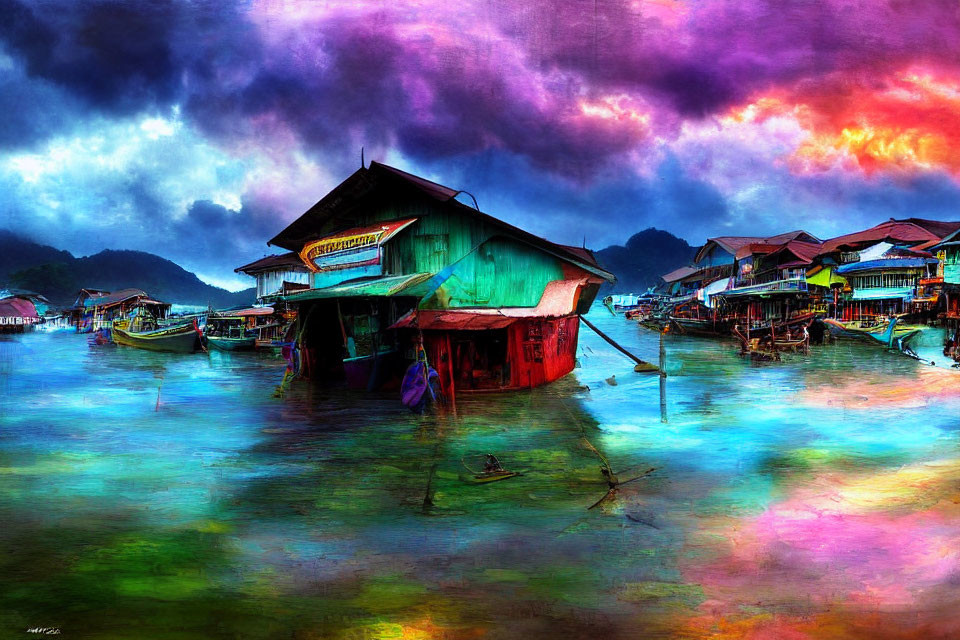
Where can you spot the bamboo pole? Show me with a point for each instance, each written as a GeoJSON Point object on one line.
{"type": "Point", "coordinates": [641, 367]}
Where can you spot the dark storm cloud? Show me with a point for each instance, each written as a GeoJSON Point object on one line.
{"type": "Point", "coordinates": [569, 113]}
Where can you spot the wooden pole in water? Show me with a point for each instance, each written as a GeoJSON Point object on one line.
{"type": "Point", "coordinates": [453, 390]}
{"type": "Point", "coordinates": [641, 367]}
{"type": "Point", "coordinates": [663, 381]}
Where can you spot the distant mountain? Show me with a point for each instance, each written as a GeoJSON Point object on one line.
{"type": "Point", "coordinates": [646, 256]}
{"type": "Point", "coordinates": [59, 275]}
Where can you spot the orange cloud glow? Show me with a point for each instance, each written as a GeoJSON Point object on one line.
{"type": "Point", "coordinates": [909, 122]}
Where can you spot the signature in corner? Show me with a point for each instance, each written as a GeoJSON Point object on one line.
{"type": "Point", "coordinates": [47, 631]}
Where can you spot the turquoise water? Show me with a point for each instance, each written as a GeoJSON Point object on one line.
{"type": "Point", "coordinates": [148, 495]}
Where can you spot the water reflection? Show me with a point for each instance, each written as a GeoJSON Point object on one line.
{"type": "Point", "coordinates": [149, 495]}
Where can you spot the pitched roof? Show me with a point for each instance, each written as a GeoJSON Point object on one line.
{"type": "Point", "coordinates": [678, 274]}
{"type": "Point", "coordinates": [804, 251]}
{"type": "Point", "coordinates": [17, 308]}
{"type": "Point", "coordinates": [798, 234]}
{"type": "Point", "coordinates": [347, 198]}
{"type": "Point", "coordinates": [892, 231]}
{"type": "Point", "coordinates": [755, 248]}
{"type": "Point", "coordinates": [734, 244]}
{"type": "Point", "coordinates": [267, 263]}
{"type": "Point", "coordinates": [119, 296]}
{"type": "Point", "coordinates": [939, 228]}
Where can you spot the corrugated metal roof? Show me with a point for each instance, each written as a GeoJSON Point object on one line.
{"type": "Point", "coordinates": [17, 308]}
{"type": "Point", "coordinates": [888, 263]}
{"type": "Point", "coordinates": [939, 228]}
{"type": "Point", "coordinates": [893, 231]}
{"type": "Point", "coordinates": [278, 261]}
{"type": "Point", "coordinates": [371, 287]}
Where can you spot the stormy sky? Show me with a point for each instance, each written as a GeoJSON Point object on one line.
{"type": "Point", "coordinates": [197, 130]}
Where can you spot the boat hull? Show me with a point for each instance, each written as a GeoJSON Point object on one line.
{"type": "Point", "coordinates": [231, 344]}
{"type": "Point", "coordinates": [701, 327]}
{"type": "Point", "coordinates": [177, 339]}
{"type": "Point", "coordinates": [880, 334]}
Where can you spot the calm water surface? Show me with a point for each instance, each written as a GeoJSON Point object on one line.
{"type": "Point", "coordinates": [168, 496]}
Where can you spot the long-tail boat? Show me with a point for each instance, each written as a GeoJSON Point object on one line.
{"type": "Point", "coordinates": [142, 332]}
{"type": "Point", "coordinates": [888, 333]}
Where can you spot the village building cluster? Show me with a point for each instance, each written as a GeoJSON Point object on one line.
{"type": "Point", "coordinates": [390, 269]}
{"type": "Point", "coordinates": [907, 271]}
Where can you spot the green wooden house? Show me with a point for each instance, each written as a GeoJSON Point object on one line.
{"type": "Point", "coordinates": [397, 260]}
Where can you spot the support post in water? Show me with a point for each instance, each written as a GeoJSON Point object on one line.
{"type": "Point", "coordinates": [663, 380]}
{"type": "Point", "coordinates": [641, 367]}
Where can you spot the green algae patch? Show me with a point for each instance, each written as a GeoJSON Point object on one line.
{"type": "Point", "coordinates": [573, 585]}
{"type": "Point", "coordinates": [214, 526]}
{"type": "Point", "coordinates": [504, 575]}
{"type": "Point", "coordinates": [637, 592]}
{"type": "Point", "coordinates": [388, 593]}
{"type": "Point", "coordinates": [173, 587]}
{"type": "Point", "coordinates": [809, 459]}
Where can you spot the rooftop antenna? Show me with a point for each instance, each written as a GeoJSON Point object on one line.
{"type": "Point", "coordinates": [584, 245]}
{"type": "Point", "coordinates": [363, 165]}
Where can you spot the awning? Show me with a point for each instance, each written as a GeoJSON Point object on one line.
{"type": "Point", "coordinates": [883, 293]}
{"type": "Point", "coordinates": [826, 278]}
{"type": "Point", "coordinates": [252, 311]}
{"type": "Point", "coordinates": [367, 288]}
{"type": "Point", "coordinates": [452, 321]}
{"type": "Point", "coordinates": [886, 263]}
{"type": "Point", "coordinates": [712, 289]}
{"type": "Point", "coordinates": [559, 299]}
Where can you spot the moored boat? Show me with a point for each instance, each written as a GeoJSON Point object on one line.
{"type": "Point", "coordinates": [888, 333]}
{"type": "Point", "coordinates": [181, 338]}
{"type": "Point", "coordinates": [223, 343]}
{"type": "Point", "coordinates": [701, 326]}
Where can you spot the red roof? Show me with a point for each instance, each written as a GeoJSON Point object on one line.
{"type": "Point", "coordinates": [806, 252]}
{"type": "Point", "coordinates": [734, 244]}
{"type": "Point", "coordinates": [892, 231]}
{"type": "Point", "coordinates": [755, 248]}
{"type": "Point", "coordinates": [252, 311]}
{"type": "Point", "coordinates": [17, 308]}
{"type": "Point", "coordinates": [939, 228]}
{"type": "Point", "coordinates": [283, 261]}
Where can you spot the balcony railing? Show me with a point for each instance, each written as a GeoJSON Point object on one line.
{"type": "Point", "coordinates": [789, 285]}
